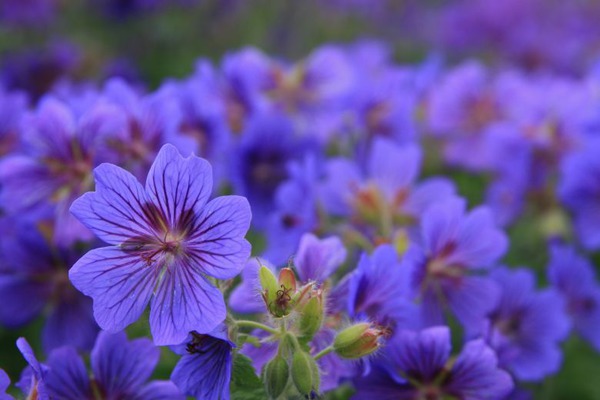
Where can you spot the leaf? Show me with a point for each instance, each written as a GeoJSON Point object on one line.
{"type": "Point", "coordinates": [245, 384]}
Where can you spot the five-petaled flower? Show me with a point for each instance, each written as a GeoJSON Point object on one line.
{"type": "Point", "coordinates": [167, 242]}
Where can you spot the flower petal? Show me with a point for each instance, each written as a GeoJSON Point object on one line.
{"type": "Point", "coordinates": [117, 210]}
{"type": "Point", "coordinates": [184, 301]}
{"type": "Point", "coordinates": [159, 390]}
{"type": "Point", "coordinates": [68, 378]}
{"type": "Point", "coordinates": [179, 185]}
{"type": "Point", "coordinates": [120, 283]}
{"type": "Point", "coordinates": [121, 367]}
{"type": "Point", "coordinates": [218, 245]}
{"type": "Point", "coordinates": [475, 375]}
{"type": "Point", "coordinates": [206, 373]}
{"type": "Point", "coordinates": [318, 258]}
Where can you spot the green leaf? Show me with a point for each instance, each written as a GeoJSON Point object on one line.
{"type": "Point", "coordinates": [245, 384]}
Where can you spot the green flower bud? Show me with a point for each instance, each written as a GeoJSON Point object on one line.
{"type": "Point", "coordinates": [277, 373]}
{"type": "Point", "coordinates": [268, 282]}
{"type": "Point", "coordinates": [311, 317]}
{"type": "Point", "coordinates": [303, 372]}
{"type": "Point", "coordinates": [358, 340]}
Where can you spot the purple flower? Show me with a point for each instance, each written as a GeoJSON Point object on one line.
{"type": "Point", "coordinates": [166, 241]}
{"type": "Point", "coordinates": [454, 246]}
{"type": "Point", "coordinates": [59, 151]}
{"type": "Point", "coordinates": [204, 371]}
{"type": "Point", "coordinates": [34, 280]}
{"type": "Point", "coordinates": [295, 210]}
{"type": "Point", "coordinates": [12, 110]}
{"type": "Point", "coordinates": [579, 190]}
{"type": "Point", "coordinates": [526, 326]}
{"type": "Point", "coordinates": [317, 259]}
{"type": "Point", "coordinates": [4, 384]}
{"type": "Point", "coordinates": [385, 193]}
{"type": "Point", "coordinates": [120, 370]}
{"type": "Point", "coordinates": [377, 289]}
{"type": "Point", "coordinates": [33, 378]}
{"type": "Point", "coordinates": [419, 365]}
{"type": "Point", "coordinates": [260, 165]}
{"type": "Point", "coordinates": [574, 278]}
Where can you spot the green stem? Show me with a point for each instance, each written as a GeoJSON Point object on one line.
{"type": "Point", "coordinates": [256, 325]}
{"type": "Point", "coordinates": [323, 352]}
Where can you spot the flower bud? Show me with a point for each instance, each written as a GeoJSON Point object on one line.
{"type": "Point", "coordinates": [277, 373]}
{"type": "Point", "coordinates": [268, 282]}
{"type": "Point", "coordinates": [311, 317]}
{"type": "Point", "coordinates": [303, 373]}
{"type": "Point", "coordinates": [287, 279]}
{"type": "Point", "coordinates": [358, 340]}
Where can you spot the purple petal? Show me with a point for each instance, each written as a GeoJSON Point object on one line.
{"type": "Point", "coordinates": [218, 246]}
{"type": "Point", "coordinates": [479, 243]}
{"type": "Point", "coordinates": [23, 299]}
{"type": "Point", "coordinates": [179, 185]}
{"type": "Point", "coordinates": [184, 301]}
{"type": "Point", "coordinates": [117, 210]}
{"type": "Point", "coordinates": [428, 192]}
{"type": "Point", "coordinates": [120, 283]}
{"type": "Point", "coordinates": [68, 378]}
{"type": "Point", "coordinates": [71, 323]}
{"type": "Point", "coordinates": [18, 175]}
{"type": "Point", "coordinates": [475, 375]}
{"type": "Point", "coordinates": [440, 224]}
{"type": "Point", "coordinates": [471, 299]}
{"type": "Point", "coordinates": [33, 377]}
{"type": "Point", "coordinates": [121, 367]}
{"type": "Point", "coordinates": [50, 130]}
{"type": "Point", "coordinates": [421, 355]}
{"type": "Point", "coordinates": [206, 373]}
{"type": "Point", "coordinates": [4, 384]}
{"type": "Point", "coordinates": [318, 258]}
{"type": "Point", "coordinates": [336, 193]}
{"type": "Point", "coordinates": [393, 167]}
{"type": "Point", "coordinates": [159, 390]}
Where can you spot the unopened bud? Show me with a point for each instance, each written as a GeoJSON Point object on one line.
{"type": "Point", "coordinates": [268, 282]}
{"type": "Point", "coordinates": [287, 279]}
{"type": "Point", "coordinates": [303, 373]}
{"type": "Point", "coordinates": [311, 317]}
{"type": "Point", "coordinates": [358, 340]}
{"type": "Point", "coordinates": [277, 373]}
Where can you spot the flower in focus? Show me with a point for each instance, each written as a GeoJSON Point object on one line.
{"type": "Point", "coordinates": [166, 244]}
{"type": "Point", "coordinates": [204, 371]}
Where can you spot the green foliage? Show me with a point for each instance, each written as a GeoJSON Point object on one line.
{"type": "Point", "coordinates": [245, 384]}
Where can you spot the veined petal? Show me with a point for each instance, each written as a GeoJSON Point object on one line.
{"type": "Point", "coordinates": [118, 210]}
{"type": "Point", "coordinates": [206, 373]}
{"type": "Point", "coordinates": [68, 379]}
{"type": "Point", "coordinates": [121, 367]}
{"type": "Point", "coordinates": [421, 355]}
{"type": "Point", "coordinates": [476, 376]}
{"type": "Point", "coordinates": [218, 246]}
{"type": "Point", "coordinates": [184, 301]}
{"type": "Point", "coordinates": [120, 283]}
{"type": "Point", "coordinates": [177, 185]}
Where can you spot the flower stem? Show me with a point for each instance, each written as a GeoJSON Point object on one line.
{"type": "Point", "coordinates": [256, 325]}
{"type": "Point", "coordinates": [323, 352]}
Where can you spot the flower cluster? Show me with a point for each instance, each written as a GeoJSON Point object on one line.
{"type": "Point", "coordinates": [297, 228]}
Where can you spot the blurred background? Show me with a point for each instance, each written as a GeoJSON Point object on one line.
{"type": "Point", "coordinates": [45, 43]}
